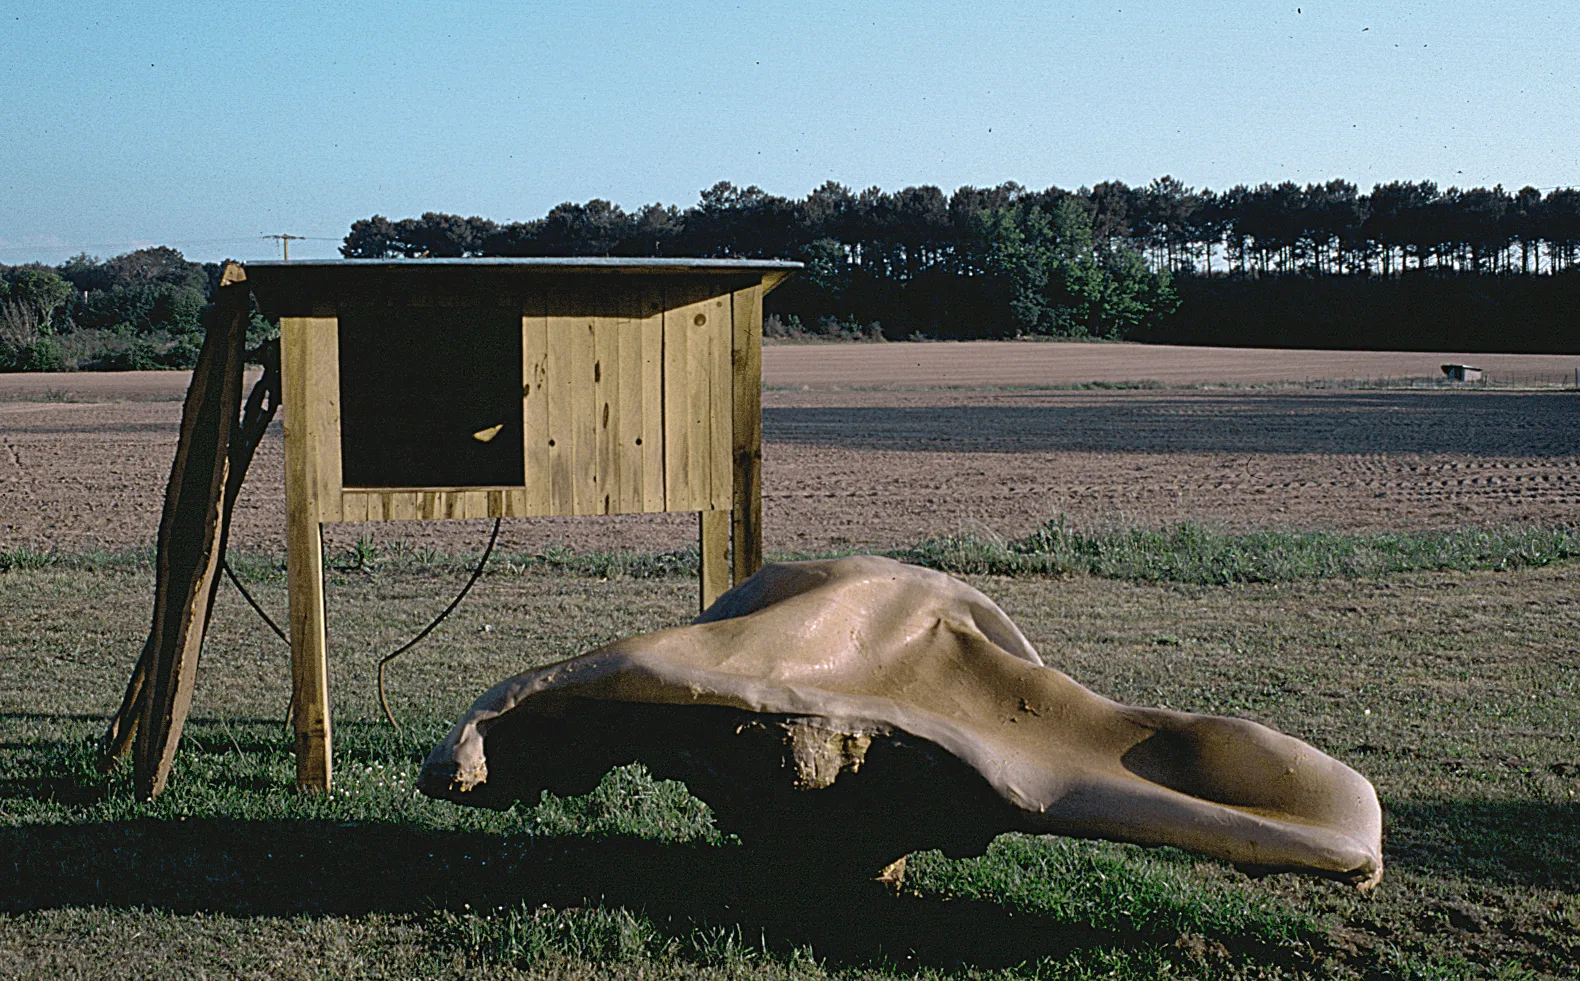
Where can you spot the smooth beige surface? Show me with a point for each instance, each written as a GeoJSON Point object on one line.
{"type": "Point", "coordinates": [863, 640]}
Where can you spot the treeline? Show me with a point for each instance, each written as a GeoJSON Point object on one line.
{"type": "Point", "coordinates": [1410, 265]}
{"type": "Point", "coordinates": [142, 309]}
{"type": "Point", "coordinates": [1406, 266]}
{"type": "Point", "coordinates": [981, 262]}
{"type": "Point", "coordinates": [1284, 228]}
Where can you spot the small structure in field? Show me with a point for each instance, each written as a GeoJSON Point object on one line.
{"type": "Point", "coordinates": [1462, 372]}
{"type": "Point", "coordinates": [453, 388]}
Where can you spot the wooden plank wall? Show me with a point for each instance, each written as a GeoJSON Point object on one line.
{"type": "Point", "coordinates": [641, 396]}
{"type": "Point", "coordinates": [628, 406]}
{"type": "Point", "coordinates": [696, 393]}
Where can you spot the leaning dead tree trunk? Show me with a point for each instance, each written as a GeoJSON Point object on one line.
{"type": "Point", "coordinates": [192, 530]}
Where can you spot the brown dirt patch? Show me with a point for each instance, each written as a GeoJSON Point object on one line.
{"type": "Point", "coordinates": [1030, 364]}
{"type": "Point", "coordinates": [970, 364]}
{"type": "Point", "coordinates": [874, 469]}
{"type": "Point", "coordinates": [96, 386]}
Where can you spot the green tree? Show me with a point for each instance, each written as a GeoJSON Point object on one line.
{"type": "Point", "coordinates": [33, 294]}
{"type": "Point", "coordinates": [1101, 291]}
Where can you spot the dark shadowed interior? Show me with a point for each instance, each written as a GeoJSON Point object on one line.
{"type": "Point", "coordinates": [417, 383]}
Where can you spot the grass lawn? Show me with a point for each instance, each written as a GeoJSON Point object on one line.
{"type": "Point", "coordinates": [1446, 671]}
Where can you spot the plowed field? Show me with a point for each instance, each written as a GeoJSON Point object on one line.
{"type": "Point", "coordinates": [881, 464]}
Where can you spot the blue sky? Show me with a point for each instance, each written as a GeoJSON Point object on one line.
{"type": "Point", "coordinates": [205, 126]}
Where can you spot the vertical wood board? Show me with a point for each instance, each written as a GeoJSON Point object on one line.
{"type": "Point", "coordinates": [629, 466]}
{"type": "Point", "coordinates": [650, 300]}
{"type": "Point", "coordinates": [721, 402]}
{"type": "Point", "coordinates": [582, 343]}
{"type": "Point", "coordinates": [747, 446]}
{"type": "Point", "coordinates": [537, 498]}
{"type": "Point", "coordinates": [677, 408]}
{"type": "Point", "coordinates": [714, 556]}
{"type": "Point", "coordinates": [321, 361]}
{"type": "Point", "coordinates": [606, 399]}
{"type": "Point", "coordinates": [301, 341]}
{"type": "Point", "coordinates": [561, 381]}
{"type": "Point", "coordinates": [188, 555]}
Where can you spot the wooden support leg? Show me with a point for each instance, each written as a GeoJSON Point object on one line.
{"type": "Point", "coordinates": [308, 367]}
{"type": "Point", "coordinates": [747, 448]}
{"type": "Point", "coordinates": [746, 526]}
{"type": "Point", "coordinates": [714, 541]}
{"type": "Point", "coordinates": [309, 664]}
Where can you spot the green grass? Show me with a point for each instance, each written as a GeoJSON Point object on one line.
{"type": "Point", "coordinates": [1190, 553]}
{"type": "Point", "coordinates": [1454, 686]}
{"type": "Point", "coordinates": [1184, 553]}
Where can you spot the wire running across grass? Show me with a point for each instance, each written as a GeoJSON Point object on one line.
{"type": "Point", "coordinates": [383, 701]}
{"type": "Point", "coordinates": [476, 573]}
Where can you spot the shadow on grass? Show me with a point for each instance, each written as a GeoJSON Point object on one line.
{"type": "Point", "coordinates": [1532, 425]}
{"type": "Point", "coordinates": [350, 868]}
{"type": "Point", "coordinates": [272, 868]}
{"type": "Point", "coordinates": [1512, 843]}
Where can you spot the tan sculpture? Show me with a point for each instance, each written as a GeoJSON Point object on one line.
{"type": "Point", "coordinates": [856, 709]}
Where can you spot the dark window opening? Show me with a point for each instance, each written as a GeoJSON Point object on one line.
{"type": "Point", "coordinates": [430, 396]}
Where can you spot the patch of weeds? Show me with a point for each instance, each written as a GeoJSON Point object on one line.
{"type": "Point", "coordinates": [49, 395]}
{"type": "Point", "coordinates": [1142, 384]}
{"type": "Point", "coordinates": [26, 557]}
{"type": "Point", "coordinates": [1190, 553]}
{"type": "Point", "coordinates": [256, 566]}
{"type": "Point", "coordinates": [628, 801]}
{"type": "Point", "coordinates": [720, 944]}
{"type": "Point", "coordinates": [523, 937]}
{"type": "Point", "coordinates": [362, 555]}
{"type": "Point", "coordinates": [609, 565]}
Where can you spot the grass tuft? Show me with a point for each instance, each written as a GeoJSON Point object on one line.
{"type": "Point", "coordinates": [524, 937]}
{"type": "Point", "coordinates": [22, 557]}
{"type": "Point", "coordinates": [1115, 888]}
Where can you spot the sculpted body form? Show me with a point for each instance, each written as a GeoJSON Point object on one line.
{"type": "Point", "coordinates": [841, 652]}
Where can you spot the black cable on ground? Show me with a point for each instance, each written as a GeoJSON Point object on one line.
{"type": "Point", "coordinates": [223, 564]}
{"type": "Point", "coordinates": [476, 573]}
{"type": "Point", "coordinates": [259, 412]}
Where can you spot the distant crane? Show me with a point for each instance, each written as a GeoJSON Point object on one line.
{"type": "Point", "coordinates": [285, 244]}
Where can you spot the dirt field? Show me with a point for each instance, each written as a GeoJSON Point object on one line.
{"type": "Point", "coordinates": [881, 466]}
{"type": "Point", "coordinates": [976, 364]}
{"type": "Point", "coordinates": [1030, 364]}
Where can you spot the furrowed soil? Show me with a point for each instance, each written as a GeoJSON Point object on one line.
{"type": "Point", "coordinates": [896, 458]}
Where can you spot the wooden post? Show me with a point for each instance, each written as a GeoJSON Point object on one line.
{"type": "Point", "coordinates": [309, 358]}
{"type": "Point", "coordinates": [714, 542]}
{"type": "Point", "coordinates": [746, 361]}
